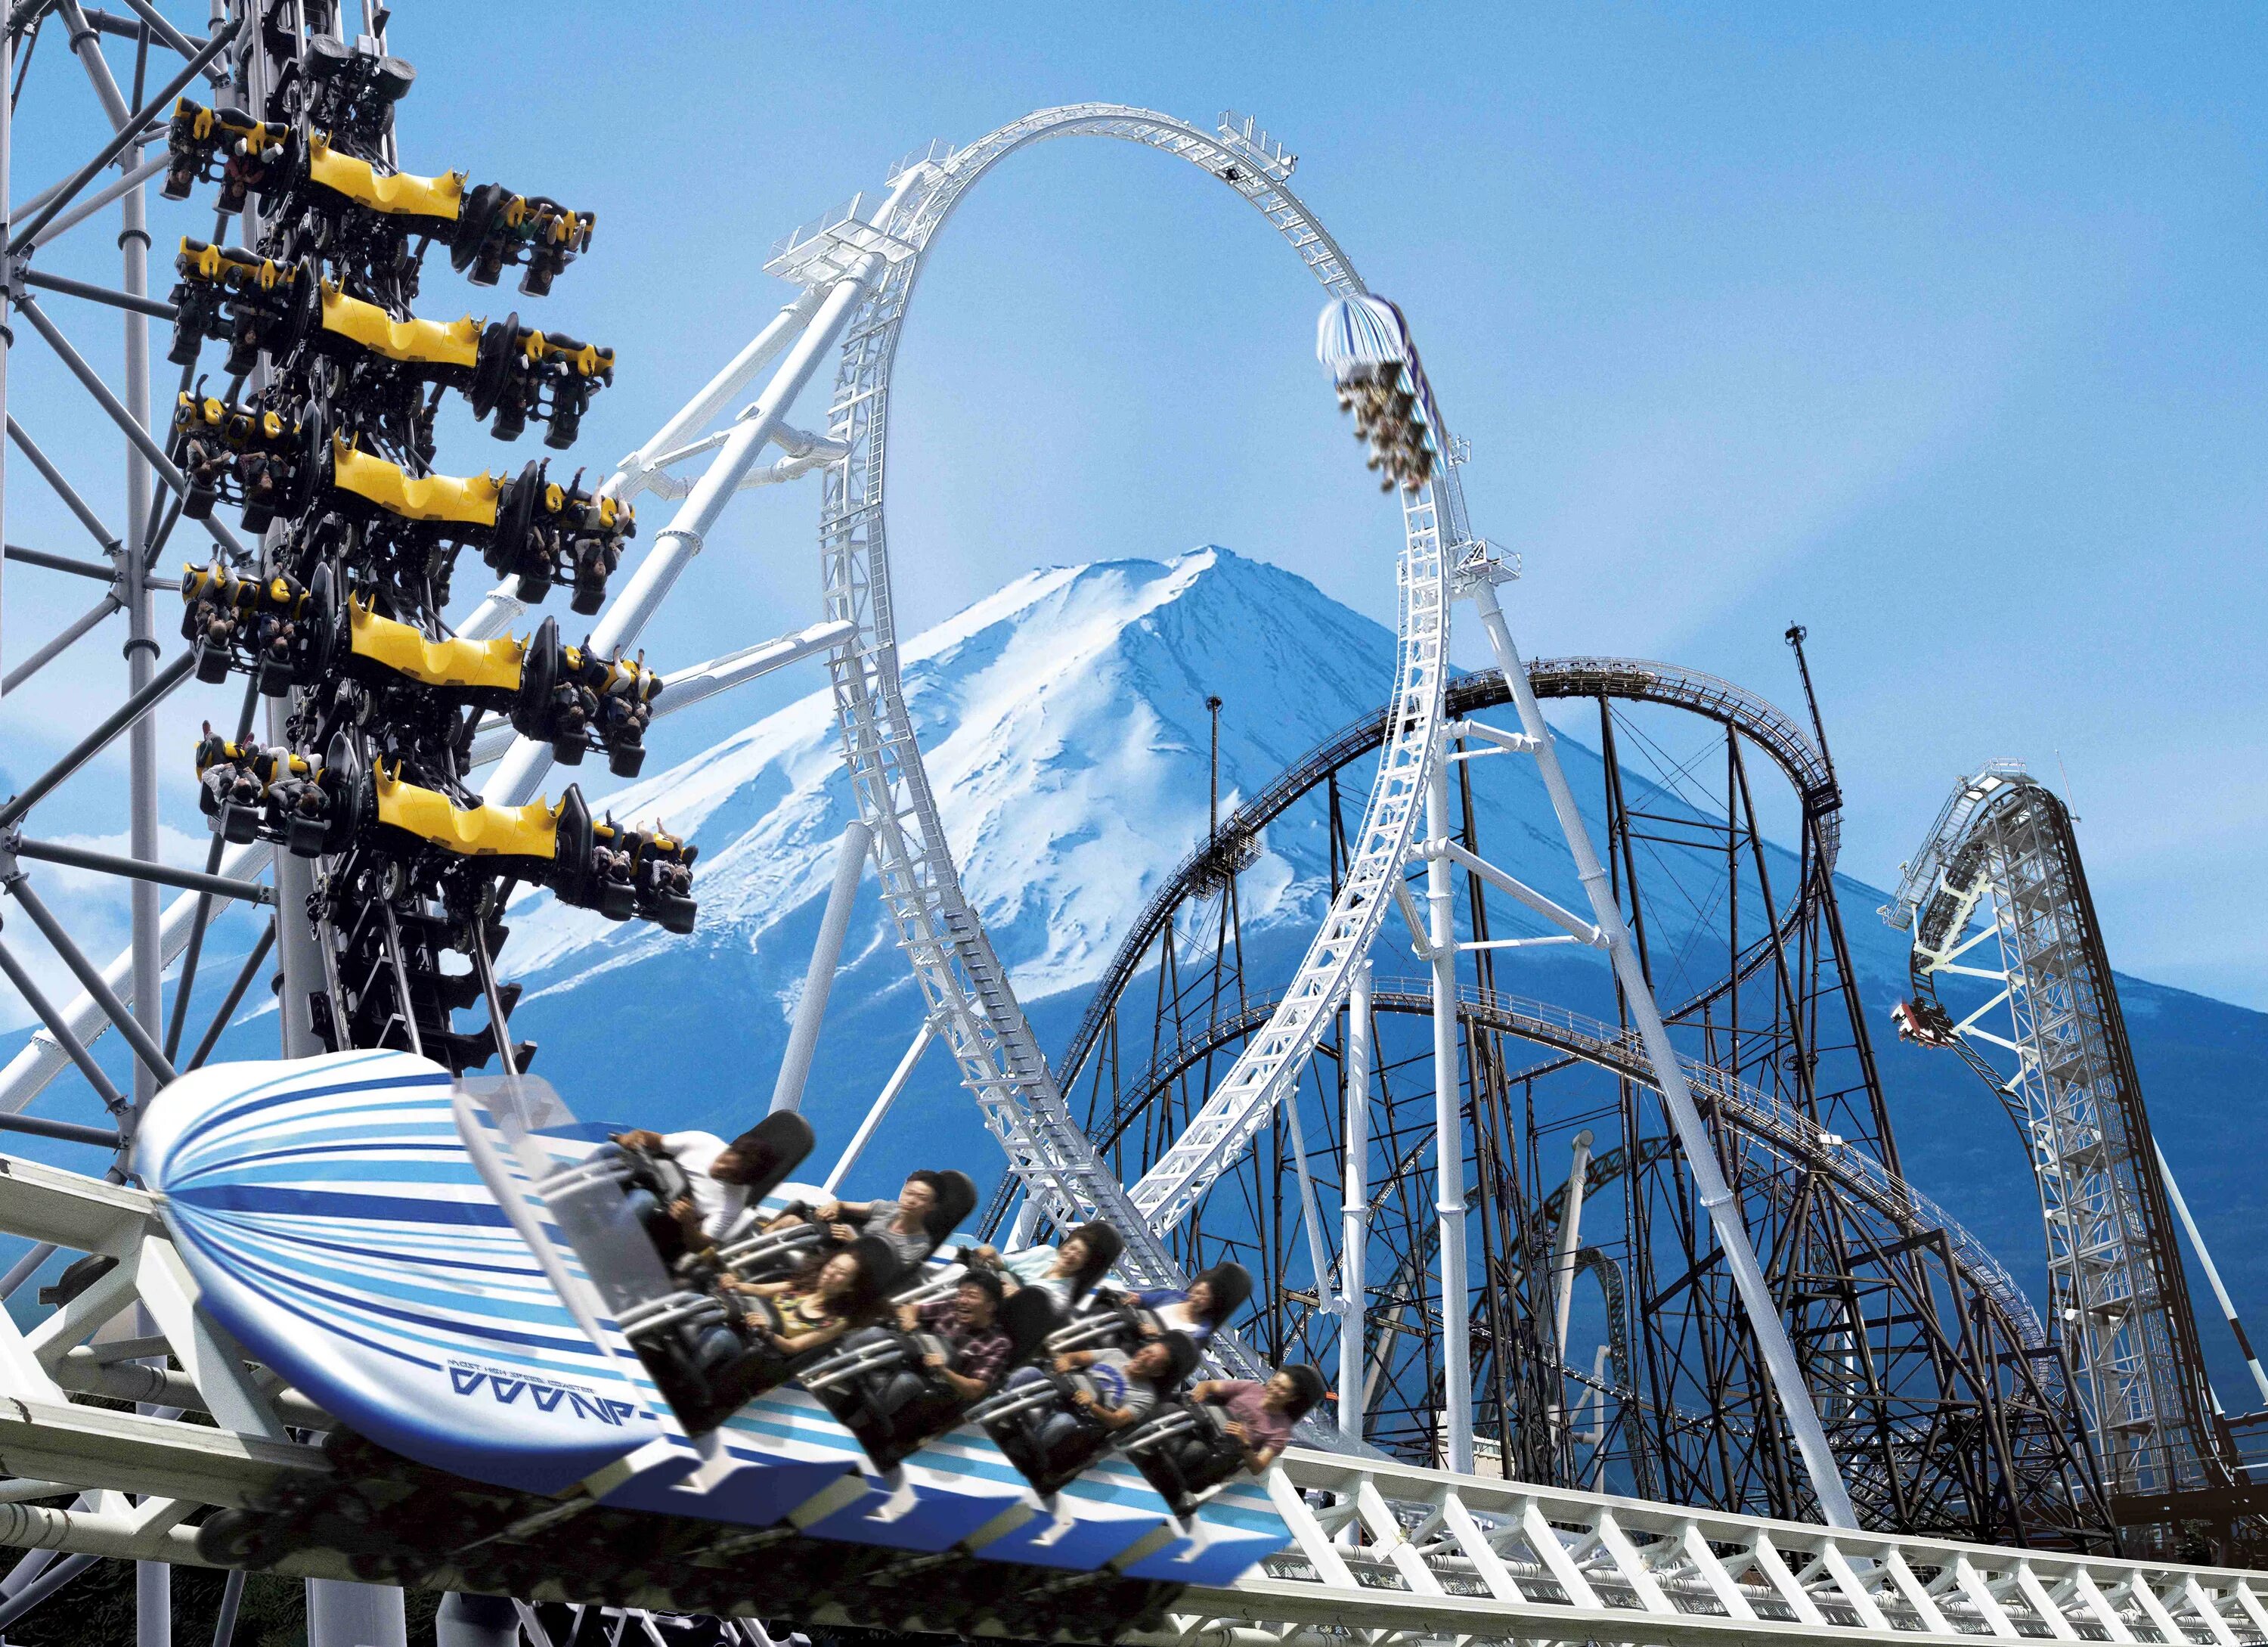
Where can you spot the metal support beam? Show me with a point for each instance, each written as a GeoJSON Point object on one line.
{"type": "Point", "coordinates": [881, 1107]}
{"type": "Point", "coordinates": [29, 1073]}
{"type": "Point", "coordinates": [2212, 1272]}
{"type": "Point", "coordinates": [1562, 1266]}
{"type": "Point", "coordinates": [136, 432]}
{"type": "Point", "coordinates": [154, 110]}
{"type": "Point", "coordinates": [136, 1027]}
{"type": "Point", "coordinates": [69, 636]}
{"type": "Point", "coordinates": [93, 569]}
{"type": "Point", "coordinates": [158, 874]}
{"type": "Point", "coordinates": [1448, 1137]}
{"type": "Point", "coordinates": [87, 747]}
{"type": "Point", "coordinates": [68, 1132]}
{"type": "Point", "coordinates": [132, 302]}
{"type": "Point", "coordinates": [1354, 1236]}
{"type": "Point", "coordinates": [227, 1008]}
{"type": "Point", "coordinates": [105, 539]}
{"type": "Point", "coordinates": [1676, 1097]}
{"type": "Point", "coordinates": [819, 978]}
{"type": "Point", "coordinates": [95, 203]}
{"type": "Point", "coordinates": [37, 999]}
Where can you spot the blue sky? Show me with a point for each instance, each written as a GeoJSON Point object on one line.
{"type": "Point", "coordinates": [1937, 328]}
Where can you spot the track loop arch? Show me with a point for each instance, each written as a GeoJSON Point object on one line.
{"type": "Point", "coordinates": [967, 992]}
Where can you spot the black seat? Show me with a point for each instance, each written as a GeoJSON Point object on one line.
{"type": "Point", "coordinates": [776, 1147]}
{"type": "Point", "coordinates": [956, 1199]}
{"type": "Point", "coordinates": [849, 1381]}
{"type": "Point", "coordinates": [709, 1358]}
{"type": "Point", "coordinates": [772, 1149]}
{"type": "Point", "coordinates": [665, 1183]}
{"type": "Point", "coordinates": [1183, 1452]}
{"type": "Point", "coordinates": [1013, 1421]}
{"type": "Point", "coordinates": [1027, 1316]}
{"type": "Point", "coordinates": [1231, 1289]}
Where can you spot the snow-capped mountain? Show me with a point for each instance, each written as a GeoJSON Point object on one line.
{"type": "Point", "coordinates": [1064, 726]}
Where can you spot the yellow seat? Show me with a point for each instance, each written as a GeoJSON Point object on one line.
{"type": "Point", "coordinates": [430, 343]}
{"type": "Point", "coordinates": [486, 831]}
{"type": "Point", "coordinates": [469, 501]}
{"type": "Point", "coordinates": [474, 665]}
{"type": "Point", "coordinates": [400, 194]}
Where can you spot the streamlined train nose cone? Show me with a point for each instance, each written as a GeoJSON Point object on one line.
{"type": "Point", "coordinates": [341, 1232]}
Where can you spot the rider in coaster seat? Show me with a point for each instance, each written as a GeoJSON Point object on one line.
{"type": "Point", "coordinates": [1065, 1274]}
{"type": "Point", "coordinates": [926, 1211]}
{"type": "Point", "coordinates": [749, 1337]}
{"type": "Point", "coordinates": [693, 1192]}
{"type": "Point", "coordinates": [1224, 1425]}
{"type": "Point", "coordinates": [896, 1388]}
{"type": "Point", "coordinates": [1053, 1424]}
{"type": "Point", "coordinates": [1209, 1301]}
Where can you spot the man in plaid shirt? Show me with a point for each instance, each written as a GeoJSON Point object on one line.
{"type": "Point", "coordinates": [977, 1350]}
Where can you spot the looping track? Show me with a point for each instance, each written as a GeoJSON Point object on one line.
{"type": "Point", "coordinates": [967, 990]}
{"type": "Point", "coordinates": [1756, 1116]}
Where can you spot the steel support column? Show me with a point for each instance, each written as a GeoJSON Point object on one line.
{"type": "Point", "coordinates": [1354, 1298]}
{"type": "Point", "coordinates": [1676, 1097]}
{"type": "Point", "coordinates": [1448, 1134]}
{"type": "Point", "coordinates": [819, 978]}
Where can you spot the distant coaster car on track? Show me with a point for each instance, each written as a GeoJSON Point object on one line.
{"type": "Point", "coordinates": [452, 1270]}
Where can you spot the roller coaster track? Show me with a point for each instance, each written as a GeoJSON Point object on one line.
{"type": "Point", "coordinates": [1397, 1555]}
{"type": "Point", "coordinates": [2004, 844]}
{"type": "Point", "coordinates": [1404, 1556]}
{"type": "Point", "coordinates": [1754, 1114]}
{"type": "Point", "coordinates": [1897, 1244]}
{"type": "Point", "coordinates": [967, 989]}
{"type": "Point", "coordinates": [1627, 679]}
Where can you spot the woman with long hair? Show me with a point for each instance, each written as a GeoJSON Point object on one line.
{"type": "Point", "coordinates": [1209, 1302]}
{"type": "Point", "coordinates": [830, 1294]}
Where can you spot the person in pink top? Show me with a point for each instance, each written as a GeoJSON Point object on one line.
{"type": "Point", "coordinates": [1261, 1415]}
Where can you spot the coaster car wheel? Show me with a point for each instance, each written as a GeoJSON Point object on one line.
{"type": "Point", "coordinates": [492, 368]}
{"type": "Point", "coordinates": [476, 246]}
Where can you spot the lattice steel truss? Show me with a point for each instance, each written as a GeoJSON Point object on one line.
{"type": "Point", "coordinates": [1945, 1402]}
{"type": "Point", "coordinates": [2118, 1298]}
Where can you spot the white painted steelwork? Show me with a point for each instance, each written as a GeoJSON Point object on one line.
{"type": "Point", "coordinates": [1389, 1554]}
{"type": "Point", "coordinates": [2002, 853]}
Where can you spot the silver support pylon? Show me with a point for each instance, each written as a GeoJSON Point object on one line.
{"type": "Point", "coordinates": [1677, 1096]}
{"type": "Point", "coordinates": [2211, 1274]}
{"type": "Point", "coordinates": [819, 978]}
{"type": "Point", "coordinates": [1563, 1264]}
{"type": "Point", "coordinates": [881, 1107]}
{"type": "Point", "coordinates": [1448, 1134]}
{"type": "Point", "coordinates": [1354, 1296]}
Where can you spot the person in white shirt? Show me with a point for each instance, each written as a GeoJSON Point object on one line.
{"type": "Point", "coordinates": [716, 1206]}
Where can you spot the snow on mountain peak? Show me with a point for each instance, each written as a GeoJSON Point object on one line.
{"type": "Point", "coordinates": [1042, 710]}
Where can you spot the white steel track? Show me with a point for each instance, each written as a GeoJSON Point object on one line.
{"type": "Point", "coordinates": [1272, 1061]}
{"type": "Point", "coordinates": [1384, 1555]}
{"type": "Point", "coordinates": [969, 995]}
